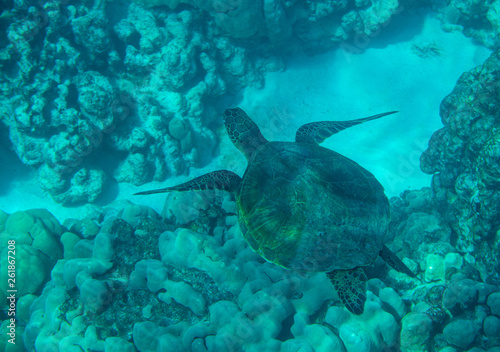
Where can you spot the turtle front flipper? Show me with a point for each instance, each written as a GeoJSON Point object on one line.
{"type": "Point", "coordinates": [351, 288]}
{"type": "Point", "coordinates": [394, 262]}
{"type": "Point", "coordinates": [223, 180]}
{"type": "Point", "coordinates": [243, 132]}
{"type": "Point", "coordinates": [317, 132]}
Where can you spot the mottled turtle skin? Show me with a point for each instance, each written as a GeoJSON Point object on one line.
{"type": "Point", "coordinates": [305, 207]}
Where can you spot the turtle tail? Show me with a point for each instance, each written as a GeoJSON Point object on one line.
{"type": "Point", "coordinates": [394, 262]}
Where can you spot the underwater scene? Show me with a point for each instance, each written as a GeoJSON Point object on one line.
{"type": "Point", "coordinates": [250, 175]}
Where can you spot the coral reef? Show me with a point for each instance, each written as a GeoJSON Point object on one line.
{"type": "Point", "coordinates": [129, 278]}
{"type": "Point", "coordinates": [137, 87]}
{"type": "Point", "coordinates": [455, 305]}
{"type": "Point", "coordinates": [81, 88]}
{"type": "Point", "coordinates": [36, 234]}
{"type": "Point", "coordinates": [452, 304]}
{"type": "Point", "coordinates": [463, 157]}
{"type": "Point", "coordinates": [313, 25]}
{"type": "Point", "coordinates": [479, 19]}
{"type": "Point", "coordinates": [126, 277]}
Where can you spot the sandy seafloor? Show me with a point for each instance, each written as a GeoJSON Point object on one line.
{"type": "Point", "coordinates": [335, 86]}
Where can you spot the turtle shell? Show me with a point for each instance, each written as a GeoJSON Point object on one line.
{"type": "Point", "coordinates": [305, 207]}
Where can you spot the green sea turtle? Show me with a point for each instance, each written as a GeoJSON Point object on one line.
{"type": "Point", "coordinates": [305, 207]}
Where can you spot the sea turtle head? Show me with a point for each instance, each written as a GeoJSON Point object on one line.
{"type": "Point", "coordinates": [242, 131]}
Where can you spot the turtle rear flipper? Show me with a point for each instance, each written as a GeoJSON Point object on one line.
{"type": "Point", "coordinates": [317, 132]}
{"type": "Point", "coordinates": [223, 180]}
{"type": "Point", "coordinates": [394, 262]}
{"type": "Point", "coordinates": [351, 288]}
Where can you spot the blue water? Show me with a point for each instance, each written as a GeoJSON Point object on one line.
{"type": "Point", "coordinates": [102, 100]}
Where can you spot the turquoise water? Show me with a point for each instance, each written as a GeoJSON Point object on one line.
{"type": "Point", "coordinates": [103, 100]}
